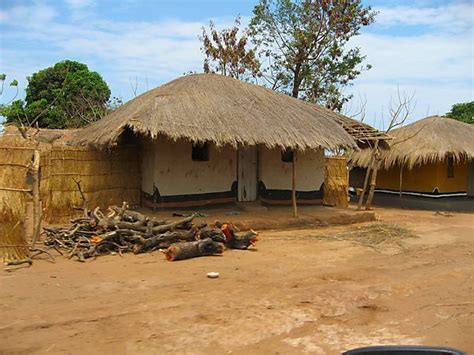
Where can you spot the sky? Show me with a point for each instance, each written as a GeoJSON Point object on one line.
{"type": "Point", "coordinates": [418, 48]}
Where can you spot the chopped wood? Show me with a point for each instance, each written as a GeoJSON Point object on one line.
{"type": "Point", "coordinates": [120, 230]}
{"type": "Point", "coordinates": [244, 241]}
{"type": "Point", "coordinates": [186, 250]}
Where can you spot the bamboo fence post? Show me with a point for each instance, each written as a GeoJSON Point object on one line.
{"type": "Point", "coordinates": [293, 187]}
{"type": "Point", "coordinates": [36, 197]}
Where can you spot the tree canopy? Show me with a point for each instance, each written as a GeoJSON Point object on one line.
{"type": "Point", "coordinates": [463, 112]}
{"type": "Point", "coordinates": [65, 95]}
{"type": "Point", "coordinates": [228, 54]}
{"type": "Point", "coordinates": [305, 43]}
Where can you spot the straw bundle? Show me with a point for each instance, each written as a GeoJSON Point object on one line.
{"type": "Point", "coordinates": [14, 162]}
{"type": "Point", "coordinates": [223, 110]}
{"type": "Point", "coordinates": [335, 182]}
{"type": "Point", "coordinates": [429, 140]}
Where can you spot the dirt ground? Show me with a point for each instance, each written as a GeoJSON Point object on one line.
{"type": "Point", "coordinates": [299, 292]}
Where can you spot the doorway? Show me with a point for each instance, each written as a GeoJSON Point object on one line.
{"type": "Point", "coordinates": [247, 173]}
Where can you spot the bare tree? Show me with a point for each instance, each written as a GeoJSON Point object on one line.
{"type": "Point", "coordinates": [399, 110]}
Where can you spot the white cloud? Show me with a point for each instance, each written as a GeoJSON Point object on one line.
{"type": "Point", "coordinates": [436, 62]}
{"type": "Point", "coordinates": [430, 57]}
{"type": "Point", "coordinates": [159, 51]}
{"type": "Point", "coordinates": [79, 4]}
{"type": "Point", "coordinates": [34, 15]}
{"type": "Point", "coordinates": [450, 17]}
{"type": "Point", "coordinates": [80, 9]}
{"type": "Point", "coordinates": [428, 99]}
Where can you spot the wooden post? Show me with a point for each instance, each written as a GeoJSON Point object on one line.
{"type": "Point", "coordinates": [36, 197]}
{"type": "Point", "coordinates": [364, 188]}
{"type": "Point", "coordinates": [373, 180]}
{"type": "Point", "coordinates": [293, 187]}
{"type": "Point", "coordinates": [367, 174]}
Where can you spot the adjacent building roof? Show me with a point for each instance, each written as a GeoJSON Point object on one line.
{"type": "Point", "coordinates": [42, 137]}
{"type": "Point", "coordinates": [363, 134]}
{"type": "Point", "coordinates": [211, 107]}
{"type": "Point", "coordinates": [428, 140]}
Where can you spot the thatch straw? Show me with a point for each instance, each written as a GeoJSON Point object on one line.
{"type": "Point", "coordinates": [41, 139]}
{"type": "Point", "coordinates": [107, 177]}
{"type": "Point", "coordinates": [425, 141]}
{"type": "Point", "coordinates": [13, 196]}
{"type": "Point", "coordinates": [376, 235]}
{"type": "Point", "coordinates": [335, 182]}
{"type": "Point", "coordinates": [211, 107]}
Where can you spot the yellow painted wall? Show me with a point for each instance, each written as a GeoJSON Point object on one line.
{"type": "Point", "coordinates": [455, 184]}
{"type": "Point", "coordinates": [425, 178]}
{"type": "Point", "coordinates": [277, 174]}
{"type": "Point", "coordinates": [168, 165]}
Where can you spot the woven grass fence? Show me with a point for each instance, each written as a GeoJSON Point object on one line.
{"type": "Point", "coordinates": [106, 177]}
{"type": "Point", "coordinates": [336, 181]}
{"type": "Point", "coordinates": [14, 195]}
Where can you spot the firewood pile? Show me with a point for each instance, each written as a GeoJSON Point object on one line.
{"type": "Point", "coordinates": [121, 230]}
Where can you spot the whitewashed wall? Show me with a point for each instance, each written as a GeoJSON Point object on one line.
{"type": "Point", "coordinates": [168, 165]}
{"type": "Point", "coordinates": [277, 174]}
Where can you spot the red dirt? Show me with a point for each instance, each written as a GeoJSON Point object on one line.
{"type": "Point", "coordinates": [296, 293]}
{"type": "Point", "coordinates": [257, 217]}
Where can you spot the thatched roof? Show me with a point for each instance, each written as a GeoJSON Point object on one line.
{"type": "Point", "coordinates": [42, 137]}
{"type": "Point", "coordinates": [428, 140]}
{"type": "Point", "coordinates": [211, 107]}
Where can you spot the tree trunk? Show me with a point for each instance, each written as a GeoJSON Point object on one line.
{"type": "Point", "coordinates": [364, 188]}
{"type": "Point", "coordinates": [296, 81]}
{"type": "Point", "coordinates": [373, 181]}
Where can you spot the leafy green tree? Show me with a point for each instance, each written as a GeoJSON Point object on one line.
{"type": "Point", "coordinates": [305, 43]}
{"type": "Point", "coordinates": [463, 112]}
{"type": "Point", "coordinates": [228, 53]}
{"type": "Point", "coordinates": [66, 95]}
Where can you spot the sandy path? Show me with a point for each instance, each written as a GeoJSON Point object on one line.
{"type": "Point", "coordinates": [295, 294]}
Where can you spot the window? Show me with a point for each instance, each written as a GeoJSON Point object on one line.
{"type": "Point", "coordinates": [200, 152]}
{"type": "Point", "coordinates": [287, 155]}
{"type": "Point", "coordinates": [450, 166]}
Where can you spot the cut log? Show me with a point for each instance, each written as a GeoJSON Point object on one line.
{"type": "Point", "coordinates": [164, 240]}
{"type": "Point", "coordinates": [244, 241]}
{"type": "Point", "coordinates": [173, 225]}
{"type": "Point", "coordinates": [212, 233]}
{"type": "Point", "coordinates": [205, 247]}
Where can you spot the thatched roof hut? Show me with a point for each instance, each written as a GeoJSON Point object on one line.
{"type": "Point", "coordinates": [222, 110]}
{"type": "Point", "coordinates": [425, 141]}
